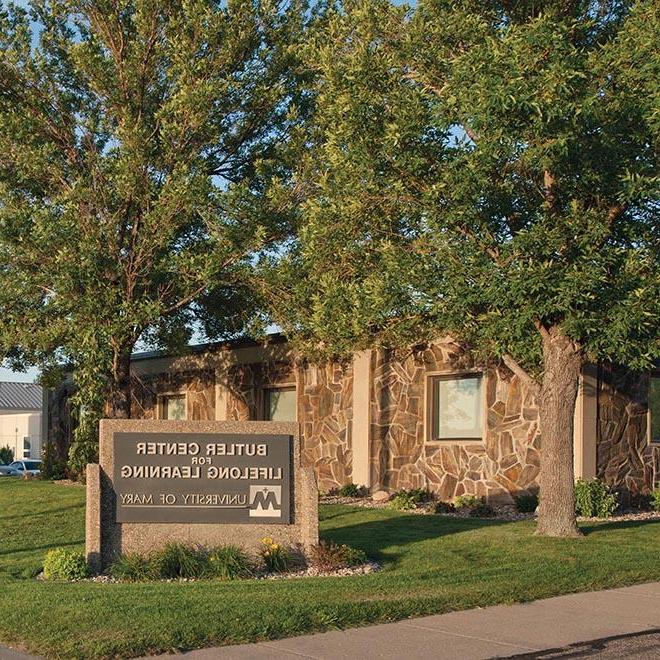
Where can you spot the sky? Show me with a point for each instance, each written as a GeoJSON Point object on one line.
{"type": "Point", "coordinates": [17, 376]}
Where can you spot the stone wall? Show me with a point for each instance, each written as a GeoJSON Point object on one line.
{"type": "Point", "coordinates": [624, 458]}
{"type": "Point", "coordinates": [198, 385]}
{"type": "Point", "coordinates": [507, 461]}
{"type": "Point", "coordinates": [325, 413]}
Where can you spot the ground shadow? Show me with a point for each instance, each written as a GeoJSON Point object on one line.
{"type": "Point", "coordinates": [375, 536]}
{"type": "Point", "coordinates": [617, 524]}
{"type": "Point", "coordinates": [45, 512]}
{"type": "Point", "coordinates": [644, 644]}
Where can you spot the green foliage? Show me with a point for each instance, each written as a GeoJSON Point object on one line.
{"type": "Point", "coordinates": [330, 556]}
{"type": "Point", "coordinates": [527, 503]}
{"type": "Point", "coordinates": [466, 501]}
{"type": "Point", "coordinates": [405, 500]}
{"type": "Point", "coordinates": [177, 560]}
{"type": "Point", "coordinates": [6, 455]}
{"type": "Point", "coordinates": [132, 567]}
{"type": "Point", "coordinates": [64, 564]}
{"type": "Point", "coordinates": [444, 507]}
{"type": "Point", "coordinates": [276, 557]}
{"type": "Point", "coordinates": [53, 466]}
{"type": "Point", "coordinates": [134, 140]}
{"type": "Point", "coordinates": [655, 499]}
{"type": "Point", "coordinates": [229, 562]}
{"type": "Point", "coordinates": [351, 490]}
{"type": "Point", "coordinates": [593, 499]}
{"type": "Point", "coordinates": [482, 510]}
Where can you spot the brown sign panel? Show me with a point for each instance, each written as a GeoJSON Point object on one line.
{"type": "Point", "coordinates": [202, 478]}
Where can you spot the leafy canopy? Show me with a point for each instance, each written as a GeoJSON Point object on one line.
{"type": "Point", "coordinates": [483, 169]}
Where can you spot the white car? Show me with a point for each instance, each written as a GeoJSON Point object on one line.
{"type": "Point", "coordinates": [28, 466]}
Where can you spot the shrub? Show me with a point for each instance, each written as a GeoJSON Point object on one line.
{"type": "Point", "coordinates": [276, 558]}
{"type": "Point", "coordinates": [351, 490]}
{"type": "Point", "coordinates": [63, 564]}
{"type": "Point", "coordinates": [466, 501]}
{"type": "Point", "coordinates": [593, 499]}
{"type": "Point", "coordinates": [177, 560]}
{"type": "Point", "coordinates": [405, 500]}
{"type": "Point", "coordinates": [132, 568]}
{"type": "Point", "coordinates": [655, 499]}
{"type": "Point", "coordinates": [6, 455]}
{"type": "Point", "coordinates": [444, 507]}
{"type": "Point", "coordinates": [482, 510]}
{"type": "Point", "coordinates": [53, 466]}
{"type": "Point", "coordinates": [527, 503]}
{"type": "Point", "coordinates": [329, 556]}
{"type": "Point", "coordinates": [229, 562]}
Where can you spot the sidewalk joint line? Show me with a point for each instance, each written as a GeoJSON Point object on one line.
{"type": "Point", "coordinates": [300, 655]}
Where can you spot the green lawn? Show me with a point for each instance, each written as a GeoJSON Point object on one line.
{"type": "Point", "coordinates": [431, 564]}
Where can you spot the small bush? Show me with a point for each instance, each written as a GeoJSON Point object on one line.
{"type": "Point", "coordinates": [329, 556]}
{"type": "Point", "coordinates": [444, 507]}
{"type": "Point", "coordinates": [655, 499]}
{"type": "Point", "coordinates": [351, 490]}
{"type": "Point", "coordinates": [229, 562]}
{"type": "Point", "coordinates": [6, 455]}
{"type": "Point", "coordinates": [405, 500]}
{"type": "Point", "coordinates": [177, 560]}
{"type": "Point", "coordinates": [53, 466]}
{"type": "Point", "coordinates": [527, 503]}
{"type": "Point", "coordinates": [63, 564]}
{"type": "Point", "coordinates": [593, 499]}
{"type": "Point", "coordinates": [482, 510]}
{"type": "Point", "coordinates": [466, 501]}
{"type": "Point", "coordinates": [276, 558]}
{"type": "Point", "coordinates": [132, 568]}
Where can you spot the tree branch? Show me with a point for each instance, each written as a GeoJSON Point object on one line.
{"type": "Point", "coordinates": [531, 383]}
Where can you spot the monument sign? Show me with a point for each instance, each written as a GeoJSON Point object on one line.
{"type": "Point", "coordinates": [202, 483]}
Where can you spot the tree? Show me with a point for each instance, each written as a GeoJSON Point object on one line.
{"type": "Point", "coordinates": [488, 169]}
{"type": "Point", "coordinates": [133, 137]}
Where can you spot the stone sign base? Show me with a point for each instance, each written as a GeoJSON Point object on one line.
{"type": "Point", "coordinates": [212, 445]}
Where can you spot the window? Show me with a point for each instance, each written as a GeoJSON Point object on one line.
{"type": "Point", "coordinates": [280, 404]}
{"type": "Point", "coordinates": [173, 406]}
{"type": "Point", "coordinates": [654, 408]}
{"type": "Point", "coordinates": [26, 448]}
{"type": "Point", "coordinates": [456, 406]}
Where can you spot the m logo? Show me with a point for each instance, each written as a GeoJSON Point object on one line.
{"type": "Point", "coordinates": [265, 501]}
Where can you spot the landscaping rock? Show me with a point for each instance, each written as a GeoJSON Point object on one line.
{"type": "Point", "coordinates": [380, 496]}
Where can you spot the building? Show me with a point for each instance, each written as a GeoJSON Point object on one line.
{"type": "Point", "coordinates": [21, 419]}
{"type": "Point", "coordinates": [427, 417]}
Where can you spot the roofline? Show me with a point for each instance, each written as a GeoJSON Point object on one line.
{"type": "Point", "coordinates": [210, 347]}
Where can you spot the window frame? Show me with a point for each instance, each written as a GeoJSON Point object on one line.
{"type": "Point", "coordinates": [429, 403]}
{"type": "Point", "coordinates": [265, 408]}
{"type": "Point", "coordinates": [654, 442]}
{"type": "Point", "coordinates": [168, 395]}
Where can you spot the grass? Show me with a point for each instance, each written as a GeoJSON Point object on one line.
{"type": "Point", "coordinates": [431, 564]}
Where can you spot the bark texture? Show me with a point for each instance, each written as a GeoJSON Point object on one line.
{"type": "Point", "coordinates": [119, 397]}
{"type": "Point", "coordinates": [562, 360]}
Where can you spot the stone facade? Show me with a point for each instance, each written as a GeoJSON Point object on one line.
{"type": "Point", "coordinates": [387, 440]}
{"type": "Point", "coordinates": [198, 386]}
{"type": "Point", "coordinates": [403, 456]}
{"type": "Point", "coordinates": [624, 458]}
{"type": "Point", "coordinates": [325, 413]}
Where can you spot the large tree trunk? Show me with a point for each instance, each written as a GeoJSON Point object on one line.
{"type": "Point", "coordinates": [119, 397]}
{"type": "Point", "coordinates": [562, 361]}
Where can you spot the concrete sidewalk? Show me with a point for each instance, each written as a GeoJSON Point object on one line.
{"type": "Point", "coordinates": [530, 630]}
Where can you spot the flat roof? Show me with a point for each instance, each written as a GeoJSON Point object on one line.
{"type": "Point", "coordinates": [209, 347]}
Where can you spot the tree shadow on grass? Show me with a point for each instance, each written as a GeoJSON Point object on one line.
{"type": "Point", "coordinates": [377, 537]}
{"type": "Point", "coordinates": [595, 528]}
{"type": "Point", "coordinates": [45, 512]}
{"type": "Point", "coordinates": [34, 548]}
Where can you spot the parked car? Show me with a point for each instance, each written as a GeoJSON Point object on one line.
{"type": "Point", "coordinates": [7, 471]}
{"type": "Point", "coordinates": [29, 466]}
